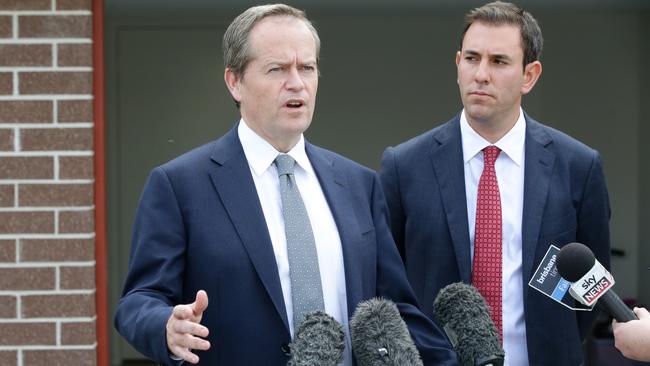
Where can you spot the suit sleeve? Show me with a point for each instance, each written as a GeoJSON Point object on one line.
{"type": "Point", "coordinates": [390, 184]}
{"type": "Point", "coordinates": [593, 225]}
{"type": "Point", "coordinates": [154, 280]}
{"type": "Point", "coordinates": [393, 284]}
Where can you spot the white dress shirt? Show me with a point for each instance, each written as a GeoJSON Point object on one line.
{"type": "Point", "coordinates": [260, 156]}
{"type": "Point", "coordinates": [509, 168]}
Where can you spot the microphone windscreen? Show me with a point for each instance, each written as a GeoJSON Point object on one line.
{"type": "Point", "coordinates": [574, 261]}
{"type": "Point", "coordinates": [380, 336]}
{"type": "Point", "coordinates": [462, 312]}
{"type": "Point", "coordinates": [319, 340]}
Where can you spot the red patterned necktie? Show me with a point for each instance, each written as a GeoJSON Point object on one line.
{"type": "Point", "coordinates": [486, 269]}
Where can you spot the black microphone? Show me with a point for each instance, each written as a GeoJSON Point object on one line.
{"type": "Point", "coordinates": [461, 311]}
{"type": "Point", "coordinates": [319, 340]}
{"type": "Point", "coordinates": [380, 336]}
{"type": "Point", "coordinates": [576, 260]}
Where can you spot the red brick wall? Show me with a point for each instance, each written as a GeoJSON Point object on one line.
{"type": "Point", "coordinates": [47, 259]}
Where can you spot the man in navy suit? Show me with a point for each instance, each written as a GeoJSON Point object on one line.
{"type": "Point", "coordinates": [210, 223]}
{"type": "Point", "coordinates": [541, 188]}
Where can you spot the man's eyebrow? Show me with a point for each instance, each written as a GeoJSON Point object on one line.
{"type": "Point", "coordinates": [470, 52]}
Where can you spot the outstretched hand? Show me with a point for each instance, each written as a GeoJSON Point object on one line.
{"type": "Point", "coordinates": [184, 331]}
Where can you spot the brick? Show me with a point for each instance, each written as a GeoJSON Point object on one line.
{"type": "Point", "coordinates": [78, 278]}
{"type": "Point", "coordinates": [6, 26]}
{"type": "Point", "coordinates": [81, 357]}
{"type": "Point", "coordinates": [14, 279]}
{"type": "Point", "coordinates": [75, 54]}
{"type": "Point", "coordinates": [73, 5]}
{"type": "Point", "coordinates": [75, 111]}
{"type": "Point", "coordinates": [25, 55]}
{"type": "Point", "coordinates": [78, 333]}
{"type": "Point", "coordinates": [7, 195]}
{"type": "Point", "coordinates": [26, 167]}
{"type": "Point", "coordinates": [9, 358]}
{"type": "Point", "coordinates": [76, 222]}
{"type": "Point", "coordinates": [54, 26]}
{"type": "Point", "coordinates": [6, 83]}
{"type": "Point", "coordinates": [23, 334]}
{"type": "Point", "coordinates": [57, 306]}
{"type": "Point", "coordinates": [26, 222]}
{"type": "Point", "coordinates": [37, 195]}
{"type": "Point", "coordinates": [6, 139]}
{"type": "Point", "coordinates": [56, 250]}
{"type": "Point", "coordinates": [7, 307]}
{"type": "Point", "coordinates": [7, 251]}
{"type": "Point", "coordinates": [25, 4]}
{"type": "Point", "coordinates": [55, 82]}
{"type": "Point", "coordinates": [25, 111]}
{"type": "Point", "coordinates": [76, 167]}
{"type": "Point", "coordinates": [48, 139]}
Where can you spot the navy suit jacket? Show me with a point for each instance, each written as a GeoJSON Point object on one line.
{"type": "Point", "coordinates": [200, 225]}
{"type": "Point", "coordinates": [565, 200]}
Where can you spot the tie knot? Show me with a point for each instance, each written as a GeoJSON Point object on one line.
{"type": "Point", "coordinates": [285, 164]}
{"type": "Point", "coordinates": [490, 155]}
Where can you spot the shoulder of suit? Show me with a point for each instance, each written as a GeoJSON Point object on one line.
{"type": "Point", "coordinates": [424, 141]}
{"type": "Point", "coordinates": [561, 142]}
{"type": "Point", "coordinates": [192, 159]}
{"type": "Point", "coordinates": [340, 161]}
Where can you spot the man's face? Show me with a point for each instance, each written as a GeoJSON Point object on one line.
{"type": "Point", "coordinates": [490, 73]}
{"type": "Point", "coordinates": [277, 90]}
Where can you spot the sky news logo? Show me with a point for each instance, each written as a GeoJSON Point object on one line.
{"type": "Point", "coordinates": [594, 292]}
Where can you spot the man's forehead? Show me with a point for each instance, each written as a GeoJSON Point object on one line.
{"type": "Point", "coordinates": [276, 21]}
{"type": "Point", "coordinates": [281, 44]}
{"type": "Point", "coordinates": [493, 38]}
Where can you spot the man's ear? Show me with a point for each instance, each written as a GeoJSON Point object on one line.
{"type": "Point", "coordinates": [233, 82]}
{"type": "Point", "coordinates": [532, 72]}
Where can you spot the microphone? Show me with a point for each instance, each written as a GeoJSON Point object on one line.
{"type": "Point", "coordinates": [592, 282]}
{"type": "Point", "coordinates": [462, 312]}
{"type": "Point", "coordinates": [319, 340]}
{"type": "Point", "coordinates": [380, 336]}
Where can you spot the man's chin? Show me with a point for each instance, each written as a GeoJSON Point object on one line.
{"type": "Point", "coordinates": [296, 126]}
{"type": "Point", "coordinates": [478, 113]}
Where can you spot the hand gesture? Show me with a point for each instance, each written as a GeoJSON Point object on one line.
{"type": "Point", "coordinates": [184, 331]}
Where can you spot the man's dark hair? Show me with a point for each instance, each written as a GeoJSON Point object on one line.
{"type": "Point", "coordinates": [502, 13]}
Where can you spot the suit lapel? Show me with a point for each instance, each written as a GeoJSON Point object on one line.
{"type": "Point", "coordinates": [447, 160]}
{"type": "Point", "coordinates": [232, 179]}
{"type": "Point", "coordinates": [539, 167]}
{"type": "Point", "coordinates": [335, 187]}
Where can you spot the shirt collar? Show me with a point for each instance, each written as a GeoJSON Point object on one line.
{"type": "Point", "coordinates": [512, 143]}
{"type": "Point", "coordinates": [261, 154]}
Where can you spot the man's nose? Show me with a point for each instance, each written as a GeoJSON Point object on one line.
{"type": "Point", "coordinates": [482, 72]}
{"type": "Point", "coordinates": [294, 79]}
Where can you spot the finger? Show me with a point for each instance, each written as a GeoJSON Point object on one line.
{"type": "Point", "coordinates": [641, 313]}
{"type": "Point", "coordinates": [188, 342]}
{"type": "Point", "coordinates": [198, 343]}
{"type": "Point", "coordinates": [182, 312]}
{"type": "Point", "coordinates": [189, 327]}
{"type": "Point", "coordinates": [185, 354]}
{"type": "Point", "coordinates": [200, 303]}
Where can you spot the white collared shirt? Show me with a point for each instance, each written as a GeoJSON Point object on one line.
{"type": "Point", "coordinates": [260, 156]}
{"type": "Point", "coordinates": [509, 168]}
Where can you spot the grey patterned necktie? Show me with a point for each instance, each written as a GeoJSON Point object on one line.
{"type": "Point", "coordinates": [306, 289]}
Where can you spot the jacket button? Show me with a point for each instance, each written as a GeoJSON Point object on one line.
{"type": "Point", "coordinates": [286, 349]}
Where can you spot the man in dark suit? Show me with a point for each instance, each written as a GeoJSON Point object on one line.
{"type": "Point", "coordinates": [481, 198]}
{"type": "Point", "coordinates": [225, 221]}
